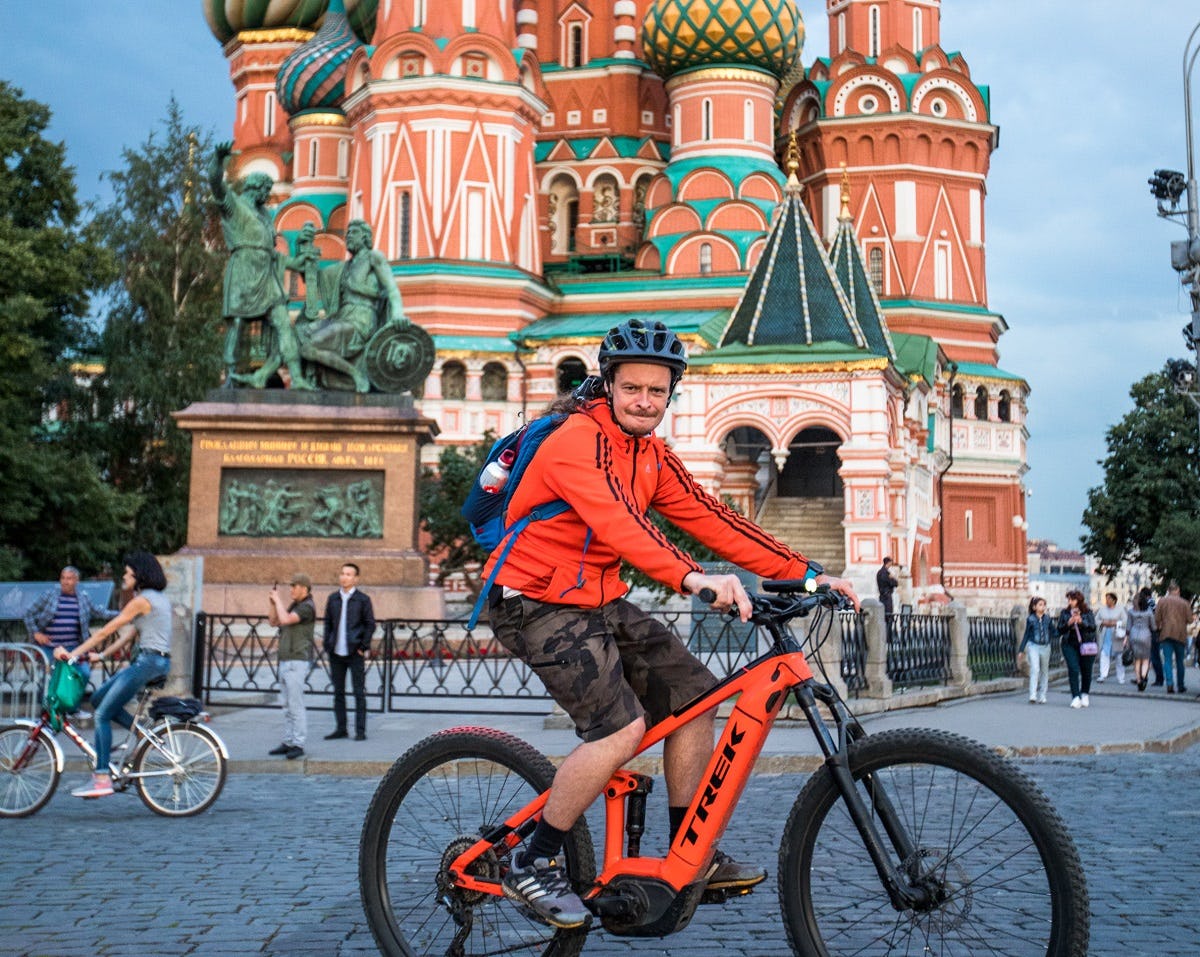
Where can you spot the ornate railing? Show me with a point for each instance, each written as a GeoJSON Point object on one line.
{"type": "Point", "coordinates": [440, 665]}
{"type": "Point", "coordinates": [990, 649]}
{"type": "Point", "coordinates": [918, 650]}
{"type": "Point", "coordinates": [854, 653]}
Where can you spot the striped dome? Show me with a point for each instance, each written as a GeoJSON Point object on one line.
{"type": "Point", "coordinates": [680, 35]}
{"type": "Point", "coordinates": [313, 77]}
{"type": "Point", "coordinates": [227, 18]}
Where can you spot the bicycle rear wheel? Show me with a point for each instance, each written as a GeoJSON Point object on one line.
{"type": "Point", "coordinates": [1004, 871]}
{"type": "Point", "coordinates": [433, 804]}
{"type": "Point", "coordinates": [28, 770]}
{"type": "Point", "coordinates": [183, 773]}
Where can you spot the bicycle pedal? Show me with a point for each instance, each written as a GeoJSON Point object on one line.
{"type": "Point", "coordinates": [719, 895]}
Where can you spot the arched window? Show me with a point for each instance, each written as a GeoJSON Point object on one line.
{"type": "Point", "coordinates": [706, 128]}
{"type": "Point", "coordinates": [563, 214]}
{"type": "Point", "coordinates": [981, 404]}
{"type": "Point", "coordinates": [1004, 407]}
{"type": "Point", "coordinates": [269, 113]}
{"type": "Point", "coordinates": [918, 32]}
{"type": "Point", "coordinates": [454, 380]}
{"type": "Point", "coordinates": [873, 28]}
{"type": "Point", "coordinates": [956, 402]}
{"type": "Point", "coordinates": [575, 44]}
{"type": "Point", "coordinates": [343, 159]}
{"type": "Point", "coordinates": [875, 266]}
{"type": "Point", "coordinates": [841, 27]}
{"type": "Point", "coordinates": [494, 384]}
{"type": "Point", "coordinates": [705, 258]}
{"type": "Point", "coordinates": [404, 224]}
{"type": "Point", "coordinates": [418, 13]}
{"type": "Point", "coordinates": [748, 121]}
{"type": "Point", "coordinates": [314, 159]}
{"type": "Point", "coordinates": [569, 374]}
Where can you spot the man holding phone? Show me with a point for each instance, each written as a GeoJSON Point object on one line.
{"type": "Point", "coordinates": [296, 623]}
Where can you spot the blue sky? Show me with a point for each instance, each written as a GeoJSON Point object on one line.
{"type": "Point", "coordinates": [1088, 97]}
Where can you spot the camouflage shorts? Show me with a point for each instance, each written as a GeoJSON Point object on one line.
{"type": "Point", "coordinates": [606, 667]}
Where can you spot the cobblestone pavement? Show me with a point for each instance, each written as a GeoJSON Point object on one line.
{"type": "Point", "coordinates": [271, 869]}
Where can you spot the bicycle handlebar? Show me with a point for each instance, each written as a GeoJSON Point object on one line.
{"type": "Point", "coordinates": [786, 599]}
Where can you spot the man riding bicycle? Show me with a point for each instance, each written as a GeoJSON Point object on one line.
{"type": "Point", "coordinates": [558, 601]}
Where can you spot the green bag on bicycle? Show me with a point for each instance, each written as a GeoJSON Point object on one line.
{"type": "Point", "coordinates": [64, 692]}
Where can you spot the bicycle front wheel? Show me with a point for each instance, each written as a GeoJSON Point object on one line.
{"type": "Point", "coordinates": [28, 770]}
{"type": "Point", "coordinates": [179, 770]}
{"type": "Point", "coordinates": [433, 804]}
{"type": "Point", "coordinates": [1003, 873]}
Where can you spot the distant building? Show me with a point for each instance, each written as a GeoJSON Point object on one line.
{"type": "Point", "coordinates": [1054, 571]}
{"type": "Point", "coordinates": [538, 171]}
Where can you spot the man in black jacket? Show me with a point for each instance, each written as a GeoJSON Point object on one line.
{"type": "Point", "coordinates": [349, 627]}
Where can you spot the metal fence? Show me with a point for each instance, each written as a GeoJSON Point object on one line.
{"type": "Point", "coordinates": [991, 652]}
{"type": "Point", "coordinates": [918, 650]}
{"type": "Point", "coordinates": [23, 673]}
{"type": "Point", "coordinates": [441, 666]}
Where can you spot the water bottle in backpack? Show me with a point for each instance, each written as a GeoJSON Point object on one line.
{"type": "Point", "coordinates": [494, 476]}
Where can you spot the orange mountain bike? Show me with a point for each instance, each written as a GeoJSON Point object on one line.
{"type": "Point", "coordinates": [906, 842]}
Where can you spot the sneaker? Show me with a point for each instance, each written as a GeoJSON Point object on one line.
{"type": "Point", "coordinates": [101, 786]}
{"type": "Point", "coordinates": [1042, 699]}
{"type": "Point", "coordinates": [542, 886]}
{"type": "Point", "coordinates": [1076, 703]}
{"type": "Point", "coordinates": [1170, 690]}
{"type": "Point", "coordinates": [280, 749]}
{"type": "Point", "coordinates": [295, 751]}
{"type": "Point", "coordinates": [334, 735]}
{"type": "Point", "coordinates": [1083, 699]}
{"type": "Point", "coordinates": [1033, 700]}
{"type": "Point", "coordinates": [729, 874]}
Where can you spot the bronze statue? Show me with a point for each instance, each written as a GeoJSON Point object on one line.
{"type": "Point", "coordinates": [254, 287]}
{"type": "Point", "coordinates": [360, 296]}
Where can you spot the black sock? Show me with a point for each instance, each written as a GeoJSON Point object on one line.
{"type": "Point", "coordinates": [547, 841]}
{"type": "Point", "coordinates": [677, 814]}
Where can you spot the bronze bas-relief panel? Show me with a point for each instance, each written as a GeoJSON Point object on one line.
{"type": "Point", "coordinates": [300, 503]}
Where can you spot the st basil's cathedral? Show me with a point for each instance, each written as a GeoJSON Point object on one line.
{"type": "Point", "coordinates": [537, 171]}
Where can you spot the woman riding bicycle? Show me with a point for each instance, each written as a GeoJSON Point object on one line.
{"type": "Point", "coordinates": [151, 611]}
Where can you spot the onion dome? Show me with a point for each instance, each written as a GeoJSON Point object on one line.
{"type": "Point", "coordinates": [313, 76]}
{"type": "Point", "coordinates": [227, 18]}
{"type": "Point", "coordinates": [680, 35]}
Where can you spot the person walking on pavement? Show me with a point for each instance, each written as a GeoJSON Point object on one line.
{"type": "Point", "coordinates": [1109, 621]}
{"type": "Point", "coordinates": [62, 617]}
{"type": "Point", "coordinates": [296, 623]}
{"type": "Point", "coordinates": [1077, 629]}
{"type": "Point", "coordinates": [1036, 647]}
{"type": "Point", "coordinates": [151, 610]}
{"type": "Point", "coordinates": [559, 605]}
{"type": "Point", "coordinates": [349, 628]}
{"type": "Point", "coordinates": [1156, 661]}
{"type": "Point", "coordinates": [1139, 631]}
{"type": "Point", "coordinates": [1172, 615]}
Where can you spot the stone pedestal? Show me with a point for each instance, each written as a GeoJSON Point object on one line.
{"type": "Point", "coordinates": [285, 482]}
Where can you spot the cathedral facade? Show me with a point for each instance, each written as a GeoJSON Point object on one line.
{"type": "Point", "coordinates": [537, 171]}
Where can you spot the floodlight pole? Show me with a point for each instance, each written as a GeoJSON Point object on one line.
{"type": "Point", "coordinates": [1190, 52]}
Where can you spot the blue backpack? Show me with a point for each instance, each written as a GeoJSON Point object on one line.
{"type": "Point", "coordinates": [485, 510]}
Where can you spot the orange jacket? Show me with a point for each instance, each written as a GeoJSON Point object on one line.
{"type": "Point", "coordinates": [611, 479]}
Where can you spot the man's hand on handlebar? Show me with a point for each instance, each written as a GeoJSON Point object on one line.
{"type": "Point", "coordinates": [840, 585]}
{"type": "Point", "coordinates": [729, 591]}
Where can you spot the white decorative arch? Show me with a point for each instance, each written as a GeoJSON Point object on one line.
{"type": "Point", "coordinates": [599, 171]}
{"type": "Point", "coordinates": [959, 92]}
{"type": "Point", "coordinates": [557, 171]}
{"type": "Point", "coordinates": [806, 97]}
{"type": "Point", "coordinates": [818, 409]}
{"type": "Point", "coordinates": [867, 79]}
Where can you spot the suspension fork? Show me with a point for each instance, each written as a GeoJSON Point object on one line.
{"type": "Point", "coordinates": [903, 894]}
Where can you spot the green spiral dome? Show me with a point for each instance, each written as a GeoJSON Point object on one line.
{"type": "Point", "coordinates": [680, 35]}
{"type": "Point", "coordinates": [227, 18]}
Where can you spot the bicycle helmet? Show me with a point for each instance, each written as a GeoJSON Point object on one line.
{"type": "Point", "coordinates": [640, 341]}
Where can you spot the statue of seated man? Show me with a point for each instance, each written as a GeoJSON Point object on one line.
{"type": "Point", "coordinates": [360, 296]}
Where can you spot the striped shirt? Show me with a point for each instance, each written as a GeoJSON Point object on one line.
{"type": "Point", "coordinates": [64, 628]}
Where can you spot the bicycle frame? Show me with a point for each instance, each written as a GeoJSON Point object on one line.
{"type": "Point", "coordinates": [762, 688]}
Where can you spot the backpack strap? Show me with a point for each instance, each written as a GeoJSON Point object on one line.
{"type": "Point", "coordinates": [547, 510]}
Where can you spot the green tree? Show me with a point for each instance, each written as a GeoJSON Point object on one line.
{"type": "Point", "coordinates": [161, 343]}
{"type": "Point", "coordinates": [54, 506]}
{"type": "Point", "coordinates": [1148, 509]}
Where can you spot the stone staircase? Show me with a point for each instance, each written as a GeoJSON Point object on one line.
{"type": "Point", "coordinates": [812, 526]}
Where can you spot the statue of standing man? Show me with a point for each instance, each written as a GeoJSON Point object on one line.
{"type": "Point", "coordinates": [254, 276]}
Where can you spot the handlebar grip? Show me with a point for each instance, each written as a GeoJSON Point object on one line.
{"type": "Point", "coordinates": [707, 595]}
